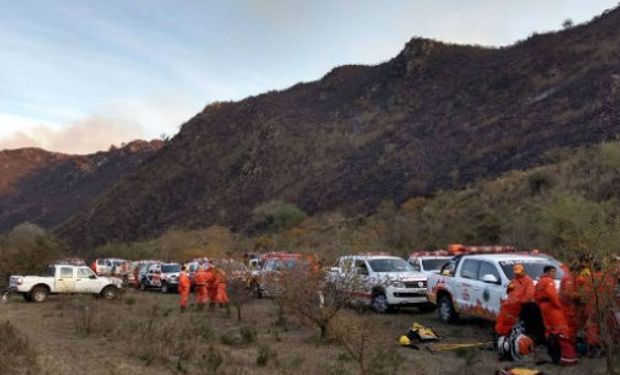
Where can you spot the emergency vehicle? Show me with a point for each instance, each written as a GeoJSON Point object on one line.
{"type": "Point", "coordinates": [429, 262]}
{"type": "Point", "coordinates": [265, 281]}
{"type": "Point", "coordinates": [475, 285]}
{"type": "Point", "coordinates": [107, 266]}
{"type": "Point", "coordinates": [164, 276]}
{"type": "Point", "coordinates": [382, 281]}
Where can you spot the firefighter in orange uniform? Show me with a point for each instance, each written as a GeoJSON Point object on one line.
{"type": "Point", "coordinates": [200, 283]}
{"type": "Point", "coordinates": [508, 313]}
{"type": "Point", "coordinates": [211, 285]}
{"type": "Point", "coordinates": [523, 285]}
{"type": "Point", "coordinates": [184, 288]}
{"type": "Point", "coordinates": [221, 297]}
{"type": "Point", "coordinates": [569, 298]}
{"type": "Point", "coordinates": [559, 344]}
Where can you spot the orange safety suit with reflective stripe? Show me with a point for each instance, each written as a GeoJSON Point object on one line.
{"type": "Point", "coordinates": [200, 283]}
{"type": "Point", "coordinates": [184, 287]}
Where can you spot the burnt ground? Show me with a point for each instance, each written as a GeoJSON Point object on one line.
{"type": "Point", "coordinates": [143, 333]}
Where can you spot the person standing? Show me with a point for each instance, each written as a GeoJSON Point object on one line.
{"type": "Point", "coordinates": [508, 313]}
{"type": "Point", "coordinates": [523, 285]}
{"type": "Point", "coordinates": [200, 283]}
{"type": "Point", "coordinates": [559, 345]}
{"type": "Point", "coordinates": [221, 292]}
{"type": "Point", "coordinates": [184, 288]}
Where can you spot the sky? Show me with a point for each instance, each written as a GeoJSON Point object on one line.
{"type": "Point", "coordinates": [77, 76]}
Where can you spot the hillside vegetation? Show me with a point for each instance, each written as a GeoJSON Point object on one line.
{"type": "Point", "coordinates": [567, 207]}
{"type": "Point", "coordinates": [46, 188]}
{"type": "Point", "coordinates": [436, 117]}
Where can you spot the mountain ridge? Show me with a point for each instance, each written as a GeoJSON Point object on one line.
{"type": "Point", "coordinates": [437, 116]}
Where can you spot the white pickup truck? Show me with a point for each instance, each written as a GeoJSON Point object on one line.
{"type": "Point", "coordinates": [475, 285]}
{"type": "Point", "coordinates": [385, 282]}
{"type": "Point", "coordinates": [64, 279]}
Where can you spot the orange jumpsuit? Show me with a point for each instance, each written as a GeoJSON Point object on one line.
{"type": "Point", "coordinates": [184, 287]}
{"type": "Point", "coordinates": [508, 315]}
{"type": "Point", "coordinates": [211, 284]}
{"type": "Point", "coordinates": [553, 316]}
{"type": "Point", "coordinates": [523, 288]}
{"type": "Point", "coordinates": [221, 296]}
{"type": "Point", "coordinates": [200, 282]}
{"type": "Point", "coordinates": [569, 299]}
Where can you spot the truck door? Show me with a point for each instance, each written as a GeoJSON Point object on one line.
{"type": "Point", "coordinates": [491, 292]}
{"type": "Point", "coordinates": [85, 283]}
{"type": "Point", "coordinates": [65, 281]}
{"type": "Point", "coordinates": [467, 285]}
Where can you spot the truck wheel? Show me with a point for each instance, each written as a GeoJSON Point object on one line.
{"type": "Point", "coordinates": [27, 297]}
{"type": "Point", "coordinates": [109, 292]}
{"type": "Point", "coordinates": [164, 288]}
{"type": "Point", "coordinates": [446, 311]}
{"type": "Point", "coordinates": [380, 303]}
{"type": "Point", "coordinates": [39, 294]}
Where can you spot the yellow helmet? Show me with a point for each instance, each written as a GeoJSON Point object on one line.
{"type": "Point", "coordinates": [404, 341]}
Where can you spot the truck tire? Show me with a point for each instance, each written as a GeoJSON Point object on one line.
{"type": "Point", "coordinates": [380, 303]}
{"type": "Point", "coordinates": [165, 288]}
{"type": "Point", "coordinates": [446, 311]}
{"type": "Point", "coordinates": [39, 294]}
{"type": "Point", "coordinates": [109, 292]}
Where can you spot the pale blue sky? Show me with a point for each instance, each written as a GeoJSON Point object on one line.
{"type": "Point", "coordinates": [77, 76]}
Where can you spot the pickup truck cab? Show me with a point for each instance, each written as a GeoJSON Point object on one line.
{"type": "Point", "coordinates": [64, 279]}
{"type": "Point", "coordinates": [475, 285]}
{"type": "Point", "coordinates": [428, 264]}
{"type": "Point", "coordinates": [385, 282]}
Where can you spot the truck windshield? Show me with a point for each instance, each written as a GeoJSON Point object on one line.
{"type": "Point", "coordinates": [434, 264]}
{"type": "Point", "coordinates": [390, 265]}
{"type": "Point", "coordinates": [171, 268]}
{"type": "Point", "coordinates": [534, 269]}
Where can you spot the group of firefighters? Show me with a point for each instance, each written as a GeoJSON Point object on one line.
{"type": "Point", "coordinates": [581, 304]}
{"type": "Point", "coordinates": [209, 287]}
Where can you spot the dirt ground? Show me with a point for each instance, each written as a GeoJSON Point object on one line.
{"type": "Point", "coordinates": [144, 333]}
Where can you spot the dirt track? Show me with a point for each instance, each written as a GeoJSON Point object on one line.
{"type": "Point", "coordinates": [62, 350]}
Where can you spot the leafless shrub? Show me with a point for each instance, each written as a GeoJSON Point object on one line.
{"type": "Point", "coordinates": [315, 297]}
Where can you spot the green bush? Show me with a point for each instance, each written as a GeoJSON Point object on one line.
{"type": "Point", "coordinates": [277, 216]}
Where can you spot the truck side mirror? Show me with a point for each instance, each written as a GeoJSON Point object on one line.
{"type": "Point", "coordinates": [94, 277]}
{"type": "Point", "coordinates": [488, 278]}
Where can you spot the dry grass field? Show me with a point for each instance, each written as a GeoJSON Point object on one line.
{"type": "Point", "coordinates": [144, 333]}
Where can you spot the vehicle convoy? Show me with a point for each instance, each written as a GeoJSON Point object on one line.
{"type": "Point", "coordinates": [475, 285]}
{"type": "Point", "coordinates": [381, 281]}
{"type": "Point", "coordinates": [429, 262]}
{"type": "Point", "coordinates": [266, 280]}
{"type": "Point", "coordinates": [164, 276]}
{"type": "Point", "coordinates": [64, 279]}
{"type": "Point", "coordinates": [107, 266]}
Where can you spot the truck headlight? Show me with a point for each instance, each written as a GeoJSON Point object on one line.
{"type": "Point", "coordinates": [398, 284]}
